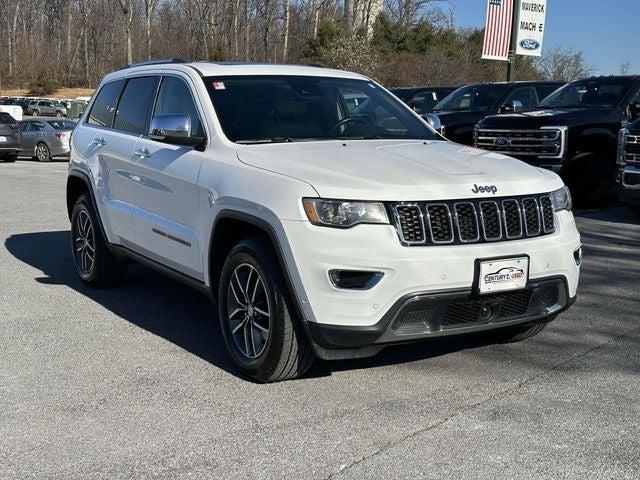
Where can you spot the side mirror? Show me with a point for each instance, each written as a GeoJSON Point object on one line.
{"type": "Point", "coordinates": [511, 107]}
{"type": "Point", "coordinates": [633, 111]}
{"type": "Point", "coordinates": [174, 129]}
{"type": "Point", "coordinates": [433, 120]}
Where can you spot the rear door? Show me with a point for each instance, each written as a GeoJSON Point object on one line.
{"type": "Point", "coordinates": [109, 154]}
{"type": "Point", "coordinates": [28, 144]}
{"type": "Point", "coordinates": [165, 188]}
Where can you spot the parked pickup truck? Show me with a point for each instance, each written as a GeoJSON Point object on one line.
{"type": "Point", "coordinates": [628, 174]}
{"type": "Point", "coordinates": [456, 115]}
{"type": "Point", "coordinates": [573, 132]}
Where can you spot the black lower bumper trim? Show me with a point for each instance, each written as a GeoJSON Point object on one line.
{"type": "Point", "coordinates": [426, 315]}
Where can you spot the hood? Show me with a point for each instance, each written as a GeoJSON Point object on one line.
{"type": "Point", "coordinates": [452, 118]}
{"type": "Point", "coordinates": [398, 170]}
{"type": "Point", "coordinates": [544, 117]}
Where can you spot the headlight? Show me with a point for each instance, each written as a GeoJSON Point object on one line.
{"type": "Point", "coordinates": [622, 140]}
{"type": "Point", "coordinates": [343, 214]}
{"type": "Point", "coordinates": [561, 199]}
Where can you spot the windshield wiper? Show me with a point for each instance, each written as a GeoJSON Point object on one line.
{"type": "Point", "coordinates": [255, 141]}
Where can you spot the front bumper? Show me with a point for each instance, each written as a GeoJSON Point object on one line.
{"type": "Point", "coordinates": [629, 185]}
{"type": "Point", "coordinates": [408, 271]}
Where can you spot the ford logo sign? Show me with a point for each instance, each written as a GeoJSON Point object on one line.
{"type": "Point", "coordinates": [502, 141]}
{"type": "Point", "coordinates": [530, 44]}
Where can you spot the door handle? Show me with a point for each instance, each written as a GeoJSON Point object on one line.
{"type": "Point", "coordinates": [142, 153]}
{"type": "Point", "coordinates": [99, 141]}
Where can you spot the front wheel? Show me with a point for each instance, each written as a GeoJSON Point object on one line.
{"type": "Point", "coordinates": [261, 333]}
{"type": "Point", "coordinates": [592, 180]}
{"type": "Point", "coordinates": [35, 113]}
{"type": "Point", "coordinates": [95, 264]}
{"type": "Point", "coordinates": [59, 114]}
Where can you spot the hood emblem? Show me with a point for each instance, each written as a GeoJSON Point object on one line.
{"type": "Point", "coordinates": [484, 189]}
{"type": "Point", "coordinates": [502, 141]}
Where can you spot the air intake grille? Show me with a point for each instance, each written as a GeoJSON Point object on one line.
{"type": "Point", "coordinates": [440, 224]}
{"type": "Point", "coordinates": [531, 216]}
{"type": "Point", "coordinates": [541, 143]}
{"type": "Point", "coordinates": [546, 208]}
{"type": "Point", "coordinates": [632, 150]}
{"type": "Point", "coordinates": [473, 221]}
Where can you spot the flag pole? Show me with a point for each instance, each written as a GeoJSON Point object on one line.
{"type": "Point", "coordinates": [512, 44]}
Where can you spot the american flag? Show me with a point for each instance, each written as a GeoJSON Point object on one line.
{"type": "Point", "coordinates": [497, 34]}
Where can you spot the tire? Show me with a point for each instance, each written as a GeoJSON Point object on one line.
{"type": "Point", "coordinates": [520, 333]}
{"type": "Point", "coordinates": [10, 158]}
{"type": "Point", "coordinates": [43, 154]}
{"type": "Point", "coordinates": [592, 180]}
{"type": "Point", "coordinates": [35, 113]}
{"type": "Point", "coordinates": [635, 209]}
{"type": "Point", "coordinates": [59, 114]}
{"type": "Point", "coordinates": [251, 278]}
{"type": "Point", "coordinates": [101, 269]}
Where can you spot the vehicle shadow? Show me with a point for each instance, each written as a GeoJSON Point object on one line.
{"type": "Point", "coordinates": [181, 315]}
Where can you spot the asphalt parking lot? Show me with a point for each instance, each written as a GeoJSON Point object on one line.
{"type": "Point", "coordinates": [134, 382]}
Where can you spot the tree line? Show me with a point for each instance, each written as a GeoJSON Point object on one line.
{"type": "Point", "coordinates": [53, 43]}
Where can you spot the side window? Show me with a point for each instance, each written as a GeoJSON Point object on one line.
{"type": "Point", "coordinates": [635, 100]}
{"type": "Point", "coordinates": [524, 95]}
{"type": "Point", "coordinates": [417, 102]}
{"type": "Point", "coordinates": [134, 105]}
{"type": "Point", "coordinates": [175, 97]}
{"type": "Point", "coordinates": [37, 127]}
{"type": "Point", "coordinates": [105, 104]}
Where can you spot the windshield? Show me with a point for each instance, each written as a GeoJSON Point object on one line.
{"type": "Point", "coordinates": [265, 109]}
{"type": "Point", "coordinates": [596, 93]}
{"type": "Point", "coordinates": [473, 97]}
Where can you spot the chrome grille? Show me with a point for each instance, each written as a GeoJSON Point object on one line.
{"type": "Point", "coordinates": [531, 216]}
{"type": "Point", "coordinates": [547, 143]}
{"type": "Point", "coordinates": [632, 150]}
{"type": "Point", "coordinates": [473, 221]}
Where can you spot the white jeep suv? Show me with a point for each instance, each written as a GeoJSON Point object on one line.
{"type": "Point", "coordinates": [323, 215]}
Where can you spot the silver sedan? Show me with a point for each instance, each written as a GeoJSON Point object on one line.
{"type": "Point", "coordinates": [44, 139]}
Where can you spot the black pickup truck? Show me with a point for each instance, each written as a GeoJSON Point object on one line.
{"type": "Point", "coordinates": [628, 174]}
{"type": "Point", "coordinates": [456, 115]}
{"type": "Point", "coordinates": [573, 132]}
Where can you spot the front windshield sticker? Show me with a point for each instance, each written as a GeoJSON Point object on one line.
{"type": "Point", "coordinates": [218, 86]}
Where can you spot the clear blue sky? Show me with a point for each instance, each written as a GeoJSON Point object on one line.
{"type": "Point", "coordinates": [607, 31]}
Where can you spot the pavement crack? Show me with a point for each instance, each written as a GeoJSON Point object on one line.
{"type": "Point", "coordinates": [497, 395]}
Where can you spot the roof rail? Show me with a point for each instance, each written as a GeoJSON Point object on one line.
{"type": "Point", "coordinates": [156, 62]}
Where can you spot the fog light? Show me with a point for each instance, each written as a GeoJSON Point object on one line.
{"type": "Point", "coordinates": [354, 279]}
{"type": "Point", "coordinates": [577, 256]}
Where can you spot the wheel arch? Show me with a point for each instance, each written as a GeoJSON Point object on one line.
{"type": "Point", "coordinates": [78, 183]}
{"type": "Point", "coordinates": [228, 228]}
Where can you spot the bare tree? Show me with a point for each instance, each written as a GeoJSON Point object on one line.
{"type": "Point", "coordinates": [149, 8]}
{"type": "Point", "coordinates": [127, 11]}
{"type": "Point", "coordinates": [564, 64]}
{"type": "Point", "coordinates": [625, 68]}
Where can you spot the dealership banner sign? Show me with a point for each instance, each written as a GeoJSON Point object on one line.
{"type": "Point", "coordinates": [531, 23]}
{"type": "Point", "coordinates": [497, 33]}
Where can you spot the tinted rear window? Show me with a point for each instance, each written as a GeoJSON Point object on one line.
{"type": "Point", "coordinates": [104, 107]}
{"type": "Point", "coordinates": [6, 118]}
{"type": "Point", "coordinates": [134, 105]}
{"type": "Point", "coordinates": [62, 124]}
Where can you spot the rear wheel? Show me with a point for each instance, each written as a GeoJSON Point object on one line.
{"type": "Point", "coordinates": [59, 114]}
{"type": "Point", "coordinates": [43, 154]}
{"type": "Point", "coordinates": [95, 264]}
{"type": "Point", "coordinates": [261, 334]}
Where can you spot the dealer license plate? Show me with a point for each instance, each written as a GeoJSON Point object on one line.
{"type": "Point", "coordinates": [503, 274]}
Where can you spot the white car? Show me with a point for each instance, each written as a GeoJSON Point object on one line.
{"type": "Point", "coordinates": [321, 226]}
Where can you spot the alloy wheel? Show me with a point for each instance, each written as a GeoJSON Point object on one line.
{"type": "Point", "coordinates": [84, 246]}
{"type": "Point", "coordinates": [248, 311]}
{"type": "Point", "coordinates": [42, 152]}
